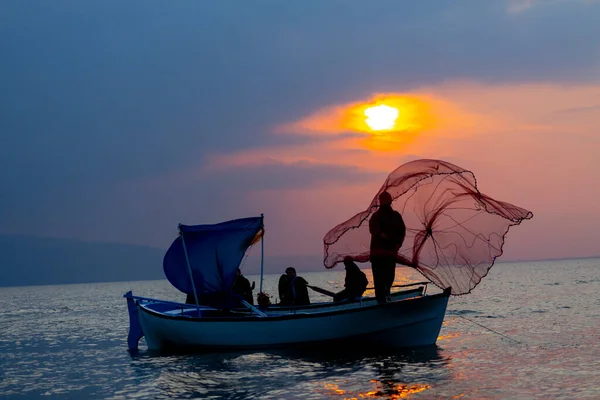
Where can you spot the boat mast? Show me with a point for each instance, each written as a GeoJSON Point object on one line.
{"type": "Point", "coordinates": [189, 268]}
{"type": "Point", "coordinates": [262, 251]}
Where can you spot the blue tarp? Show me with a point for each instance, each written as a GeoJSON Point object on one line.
{"type": "Point", "coordinates": [214, 251]}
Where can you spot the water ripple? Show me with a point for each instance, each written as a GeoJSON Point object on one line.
{"type": "Point", "coordinates": [70, 341]}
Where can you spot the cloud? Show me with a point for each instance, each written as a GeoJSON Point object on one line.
{"type": "Point", "coordinates": [535, 145]}
{"type": "Point", "coordinates": [580, 110]}
{"type": "Point", "coordinates": [118, 119]}
{"type": "Point", "coordinates": [519, 6]}
{"type": "Point", "coordinates": [338, 134]}
{"type": "Point", "coordinates": [522, 6]}
{"type": "Point", "coordinates": [451, 121]}
{"type": "Point", "coordinates": [264, 174]}
{"type": "Point", "coordinates": [522, 145]}
{"type": "Point", "coordinates": [418, 113]}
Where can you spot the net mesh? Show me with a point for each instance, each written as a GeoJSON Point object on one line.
{"type": "Point", "coordinates": [454, 233]}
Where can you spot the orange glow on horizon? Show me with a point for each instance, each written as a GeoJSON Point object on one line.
{"type": "Point", "coordinates": [385, 121]}
{"type": "Point", "coordinates": [511, 135]}
{"type": "Point", "coordinates": [381, 114]}
{"type": "Point", "coordinates": [389, 114]}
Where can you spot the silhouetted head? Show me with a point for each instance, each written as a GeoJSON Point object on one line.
{"type": "Point", "coordinates": [290, 272]}
{"type": "Point", "coordinates": [385, 199]}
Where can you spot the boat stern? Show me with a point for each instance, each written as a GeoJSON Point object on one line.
{"type": "Point", "coordinates": [135, 329]}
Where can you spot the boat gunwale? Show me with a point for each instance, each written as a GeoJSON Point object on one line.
{"type": "Point", "coordinates": [278, 307]}
{"type": "Point", "coordinates": [330, 304]}
{"type": "Point", "coordinates": [283, 317]}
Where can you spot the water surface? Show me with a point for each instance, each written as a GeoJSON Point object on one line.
{"type": "Point", "coordinates": [528, 331]}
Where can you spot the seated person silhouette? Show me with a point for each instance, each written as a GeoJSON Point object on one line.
{"type": "Point", "coordinates": [293, 289]}
{"type": "Point", "coordinates": [355, 284]}
{"type": "Point", "coordinates": [241, 286]}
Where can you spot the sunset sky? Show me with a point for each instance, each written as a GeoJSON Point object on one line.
{"type": "Point", "coordinates": [119, 120]}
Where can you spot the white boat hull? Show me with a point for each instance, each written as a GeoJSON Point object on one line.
{"type": "Point", "coordinates": [409, 322]}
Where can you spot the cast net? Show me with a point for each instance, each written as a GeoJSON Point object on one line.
{"type": "Point", "coordinates": [454, 233]}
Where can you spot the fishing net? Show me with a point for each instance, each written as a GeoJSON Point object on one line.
{"type": "Point", "coordinates": [454, 233]}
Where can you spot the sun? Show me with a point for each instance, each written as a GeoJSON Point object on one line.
{"type": "Point", "coordinates": [381, 117]}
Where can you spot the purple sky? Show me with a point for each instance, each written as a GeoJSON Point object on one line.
{"type": "Point", "coordinates": [120, 120]}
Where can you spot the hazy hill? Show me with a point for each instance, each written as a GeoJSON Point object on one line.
{"type": "Point", "coordinates": [31, 260]}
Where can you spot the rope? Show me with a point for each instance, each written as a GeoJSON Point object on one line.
{"type": "Point", "coordinates": [491, 330]}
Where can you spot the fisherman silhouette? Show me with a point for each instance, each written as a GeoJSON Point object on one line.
{"type": "Point", "coordinates": [293, 289]}
{"type": "Point", "coordinates": [387, 230]}
{"type": "Point", "coordinates": [355, 284]}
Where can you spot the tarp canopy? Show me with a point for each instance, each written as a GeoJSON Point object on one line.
{"type": "Point", "coordinates": [454, 233]}
{"type": "Point", "coordinates": [214, 253]}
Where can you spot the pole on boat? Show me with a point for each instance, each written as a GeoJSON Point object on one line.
{"type": "Point", "coordinates": [189, 268]}
{"type": "Point", "coordinates": [262, 251]}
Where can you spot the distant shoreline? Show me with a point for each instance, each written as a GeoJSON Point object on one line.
{"type": "Point", "coordinates": [268, 273]}
{"type": "Point", "coordinates": [28, 260]}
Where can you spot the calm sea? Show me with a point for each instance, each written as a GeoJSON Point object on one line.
{"type": "Point", "coordinates": [528, 331]}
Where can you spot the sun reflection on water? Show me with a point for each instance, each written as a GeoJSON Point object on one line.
{"type": "Point", "coordinates": [388, 390]}
{"type": "Point", "coordinates": [448, 336]}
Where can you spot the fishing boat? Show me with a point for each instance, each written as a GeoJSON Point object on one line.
{"type": "Point", "coordinates": [454, 234]}
{"type": "Point", "coordinates": [203, 260]}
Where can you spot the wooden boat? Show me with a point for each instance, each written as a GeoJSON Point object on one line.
{"type": "Point", "coordinates": [453, 235]}
{"type": "Point", "coordinates": [203, 260]}
{"type": "Point", "coordinates": [407, 321]}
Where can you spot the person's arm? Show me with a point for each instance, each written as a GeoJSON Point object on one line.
{"type": "Point", "coordinates": [374, 225]}
{"type": "Point", "coordinates": [399, 229]}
